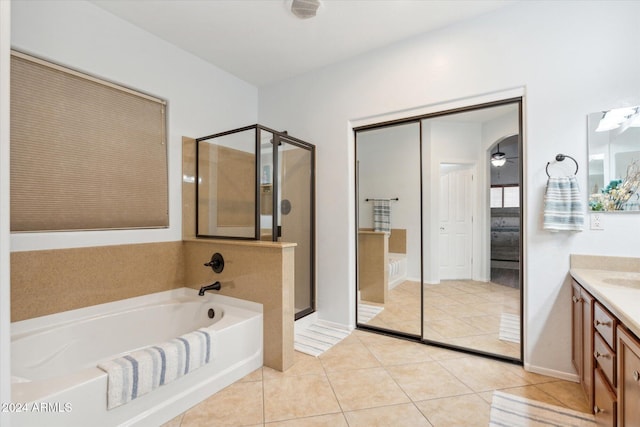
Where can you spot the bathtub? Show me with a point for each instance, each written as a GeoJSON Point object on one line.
{"type": "Point", "coordinates": [56, 382]}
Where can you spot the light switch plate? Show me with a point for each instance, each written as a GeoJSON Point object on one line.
{"type": "Point", "coordinates": [596, 221]}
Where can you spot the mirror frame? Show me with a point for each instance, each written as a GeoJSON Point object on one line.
{"type": "Point", "coordinates": [519, 100]}
{"type": "Point", "coordinates": [613, 193]}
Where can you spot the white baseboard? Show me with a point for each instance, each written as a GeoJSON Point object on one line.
{"type": "Point", "coordinates": [552, 373]}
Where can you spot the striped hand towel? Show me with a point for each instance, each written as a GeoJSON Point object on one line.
{"type": "Point", "coordinates": [563, 208]}
{"type": "Point", "coordinates": [137, 373]}
{"type": "Point", "coordinates": [382, 216]}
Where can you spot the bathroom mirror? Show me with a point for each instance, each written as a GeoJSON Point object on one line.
{"type": "Point", "coordinates": [439, 236]}
{"type": "Point", "coordinates": [614, 160]}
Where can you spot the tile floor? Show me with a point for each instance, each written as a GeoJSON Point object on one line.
{"type": "Point", "coordinates": [464, 313]}
{"type": "Point", "coordinates": [374, 380]}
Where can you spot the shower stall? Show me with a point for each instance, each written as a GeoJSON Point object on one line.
{"type": "Point", "coordinates": [256, 183]}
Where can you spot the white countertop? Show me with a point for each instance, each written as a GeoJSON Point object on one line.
{"type": "Point", "coordinates": [622, 301]}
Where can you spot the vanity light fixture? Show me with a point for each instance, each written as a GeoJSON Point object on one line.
{"type": "Point", "coordinates": [498, 158]}
{"type": "Point", "coordinates": [615, 118]}
{"type": "Point", "coordinates": [305, 9]}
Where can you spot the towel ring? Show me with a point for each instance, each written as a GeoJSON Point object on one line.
{"type": "Point", "coordinates": [560, 158]}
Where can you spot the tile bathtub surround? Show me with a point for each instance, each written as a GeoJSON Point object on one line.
{"type": "Point", "coordinates": [50, 281]}
{"type": "Point", "coordinates": [262, 272]}
{"type": "Point", "coordinates": [420, 386]}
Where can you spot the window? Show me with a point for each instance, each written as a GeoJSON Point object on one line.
{"type": "Point", "coordinates": [504, 196]}
{"type": "Point", "coordinates": [85, 153]}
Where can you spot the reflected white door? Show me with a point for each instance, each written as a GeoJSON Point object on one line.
{"type": "Point", "coordinates": [456, 219]}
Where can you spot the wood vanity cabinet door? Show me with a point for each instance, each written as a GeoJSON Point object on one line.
{"type": "Point", "coordinates": [628, 379]}
{"type": "Point", "coordinates": [604, 406]}
{"type": "Point", "coordinates": [576, 328]}
{"type": "Point", "coordinates": [587, 345]}
{"type": "Point", "coordinates": [582, 338]}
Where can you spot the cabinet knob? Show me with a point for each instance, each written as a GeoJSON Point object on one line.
{"type": "Point", "coordinates": [575, 299]}
{"type": "Point", "coordinates": [636, 375]}
{"type": "Point", "coordinates": [596, 354]}
{"type": "Point", "coordinates": [597, 410]}
{"type": "Point", "coordinates": [598, 323]}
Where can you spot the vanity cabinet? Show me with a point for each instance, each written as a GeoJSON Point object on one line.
{"type": "Point", "coordinates": [607, 358]}
{"type": "Point", "coordinates": [582, 338]}
{"type": "Point", "coordinates": [628, 379]}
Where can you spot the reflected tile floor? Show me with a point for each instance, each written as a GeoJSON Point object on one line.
{"type": "Point", "coordinates": [463, 313]}
{"type": "Point", "coordinates": [375, 380]}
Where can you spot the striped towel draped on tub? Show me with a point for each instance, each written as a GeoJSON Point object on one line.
{"type": "Point", "coordinates": [563, 209]}
{"type": "Point", "coordinates": [137, 373]}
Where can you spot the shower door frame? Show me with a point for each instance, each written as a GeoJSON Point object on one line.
{"type": "Point", "coordinates": [275, 234]}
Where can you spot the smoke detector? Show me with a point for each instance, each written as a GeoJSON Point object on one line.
{"type": "Point", "coordinates": [305, 9]}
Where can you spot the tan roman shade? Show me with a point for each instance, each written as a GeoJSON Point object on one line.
{"type": "Point", "coordinates": [85, 153]}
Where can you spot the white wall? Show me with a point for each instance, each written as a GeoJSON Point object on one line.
{"type": "Point", "coordinates": [202, 99]}
{"type": "Point", "coordinates": [5, 284]}
{"type": "Point", "coordinates": [573, 58]}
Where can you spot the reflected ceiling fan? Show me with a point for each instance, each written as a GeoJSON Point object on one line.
{"type": "Point", "coordinates": [499, 159]}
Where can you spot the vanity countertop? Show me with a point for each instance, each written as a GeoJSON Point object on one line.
{"type": "Point", "coordinates": [615, 282]}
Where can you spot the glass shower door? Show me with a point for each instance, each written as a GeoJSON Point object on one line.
{"type": "Point", "coordinates": [295, 213]}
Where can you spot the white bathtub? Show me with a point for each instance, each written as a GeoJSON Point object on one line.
{"type": "Point", "coordinates": [53, 358]}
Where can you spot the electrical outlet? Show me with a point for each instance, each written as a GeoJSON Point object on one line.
{"type": "Point", "coordinates": [596, 221]}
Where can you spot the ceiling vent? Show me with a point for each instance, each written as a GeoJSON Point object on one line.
{"type": "Point", "coordinates": [305, 9]}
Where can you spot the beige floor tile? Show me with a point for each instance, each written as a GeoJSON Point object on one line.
{"type": "Point", "coordinates": [330, 420]}
{"type": "Point", "coordinates": [530, 377]}
{"type": "Point", "coordinates": [347, 356]}
{"type": "Point", "coordinates": [531, 392]}
{"type": "Point", "coordinates": [366, 388]}
{"type": "Point", "coordinates": [489, 343]}
{"type": "Point", "coordinates": [481, 374]}
{"type": "Point", "coordinates": [570, 394]}
{"type": "Point", "coordinates": [253, 376]}
{"type": "Point", "coordinates": [298, 396]}
{"type": "Point", "coordinates": [441, 383]}
{"type": "Point", "coordinates": [303, 364]}
{"type": "Point", "coordinates": [221, 409]}
{"type": "Point", "coordinates": [400, 352]}
{"type": "Point", "coordinates": [459, 411]}
{"type": "Point", "coordinates": [406, 415]}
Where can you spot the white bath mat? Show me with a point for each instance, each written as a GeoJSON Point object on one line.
{"type": "Point", "coordinates": [510, 327]}
{"type": "Point", "coordinates": [515, 411]}
{"type": "Point", "coordinates": [367, 312]}
{"type": "Point", "coordinates": [317, 338]}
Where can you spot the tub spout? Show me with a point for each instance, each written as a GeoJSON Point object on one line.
{"type": "Point", "coordinates": [215, 287]}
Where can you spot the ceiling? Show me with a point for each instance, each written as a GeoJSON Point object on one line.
{"type": "Point", "coordinates": [262, 42]}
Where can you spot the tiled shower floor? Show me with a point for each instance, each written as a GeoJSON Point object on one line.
{"type": "Point", "coordinates": [374, 380]}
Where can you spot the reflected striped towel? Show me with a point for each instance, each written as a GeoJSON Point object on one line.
{"type": "Point", "coordinates": [563, 209]}
{"type": "Point", "coordinates": [381, 216]}
{"type": "Point", "coordinates": [137, 373]}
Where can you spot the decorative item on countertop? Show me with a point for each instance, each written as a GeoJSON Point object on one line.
{"type": "Point", "coordinates": [614, 197]}
{"type": "Point", "coordinates": [563, 207]}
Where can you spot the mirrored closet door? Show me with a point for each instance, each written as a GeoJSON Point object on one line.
{"type": "Point", "coordinates": [453, 198]}
{"type": "Point", "coordinates": [389, 246]}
